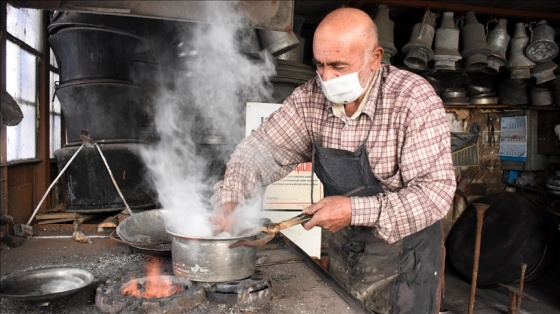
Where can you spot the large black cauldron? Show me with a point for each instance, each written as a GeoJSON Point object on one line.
{"type": "Point", "coordinates": [88, 186]}
{"type": "Point", "coordinates": [109, 110]}
{"type": "Point", "coordinates": [94, 53]}
{"type": "Point", "coordinates": [514, 231]}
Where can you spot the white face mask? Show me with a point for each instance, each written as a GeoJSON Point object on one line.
{"type": "Point", "coordinates": [343, 89]}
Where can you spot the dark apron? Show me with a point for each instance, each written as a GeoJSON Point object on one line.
{"type": "Point", "coordinates": [402, 277]}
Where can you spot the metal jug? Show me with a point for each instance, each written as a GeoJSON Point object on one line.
{"type": "Point", "coordinates": [418, 50]}
{"type": "Point", "coordinates": [498, 41]}
{"type": "Point", "coordinates": [544, 72]}
{"type": "Point", "coordinates": [518, 64]}
{"type": "Point", "coordinates": [385, 33]}
{"type": "Point", "coordinates": [446, 46]}
{"type": "Point", "coordinates": [541, 96]}
{"type": "Point", "coordinates": [514, 92]}
{"type": "Point", "coordinates": [277, 42]}
{"type": "Point", "coordinates": [542, 47]}
{"type": "Point", "coordinates": [475, 50]}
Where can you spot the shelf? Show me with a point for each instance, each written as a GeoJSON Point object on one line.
{"type": "Point", "coordinates": [534, 190]}
{"type": "Point", "coordinates": [494, 8]}
{"type": "Point", "coordinates": [504, 107]}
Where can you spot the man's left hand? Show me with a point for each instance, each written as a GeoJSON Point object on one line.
{"type": "Point", "coordinates": [332, 213]}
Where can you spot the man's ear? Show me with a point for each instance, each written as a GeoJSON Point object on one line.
{"type": "Point", "coordinates": [377, 56]}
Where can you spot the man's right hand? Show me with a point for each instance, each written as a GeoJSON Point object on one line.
{"type": "Point", "coordinates": [222, 218]}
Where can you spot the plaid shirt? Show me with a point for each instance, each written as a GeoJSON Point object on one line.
{"type": "Point", "coordinates": [408, 148]}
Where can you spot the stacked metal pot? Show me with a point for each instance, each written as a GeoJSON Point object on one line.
{"type": "Point", "coordinates": [97, 93]}
{"type": "Point", "coordinates": [289, 49]}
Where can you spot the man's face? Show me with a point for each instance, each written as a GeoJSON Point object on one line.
{"type": "Point", "coordinates": [337, 55]}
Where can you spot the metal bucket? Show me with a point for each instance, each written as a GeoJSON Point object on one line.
{"type": "Point", "coordinates": [475, 50]}
{"type": "Point", "coordinates": [211, 259]}
{"type": "Point", "coordinates": [542, 47]}
{"type": "Point", "coordinates": [277, 42]}
{"type": "Point", "coordinates": [541, 96]}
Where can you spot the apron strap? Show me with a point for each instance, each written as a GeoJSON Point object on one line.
{"type": "Point", "coordinates": [319, 137]}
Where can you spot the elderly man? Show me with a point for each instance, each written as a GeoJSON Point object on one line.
{"type": "Point", "coordinates": [379, 142]}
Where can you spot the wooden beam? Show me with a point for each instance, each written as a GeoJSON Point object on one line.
{"type": "Point", "coordinates": [42, 169]}
{"type": "Point", "coordinates": [3, 139]}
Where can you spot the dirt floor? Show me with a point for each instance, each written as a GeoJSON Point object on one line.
{"type": "Point", "coordinates": [296, 288]}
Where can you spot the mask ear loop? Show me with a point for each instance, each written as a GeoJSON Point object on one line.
{"type": "Point", "coordinates": [369, 80]}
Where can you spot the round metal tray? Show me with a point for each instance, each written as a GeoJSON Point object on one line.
{"type": "Point", "coordinates": [456, 103]}
{"type": "Point", "coordinates": [43, 285]}
{"type": "Point", "coordinates": [483, 100]}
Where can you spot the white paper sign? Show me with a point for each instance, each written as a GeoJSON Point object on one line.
{"type": "Point", "coordinates": [293, 192]}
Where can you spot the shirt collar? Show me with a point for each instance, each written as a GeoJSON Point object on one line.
{"type": "Point", "coordinates": [338, 109]}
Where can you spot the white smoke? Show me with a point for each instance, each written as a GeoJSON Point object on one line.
{"type": "Point", "coordinates": [214, 81]}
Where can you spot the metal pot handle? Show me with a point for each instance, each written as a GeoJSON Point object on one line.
{"type": "Point", "coordinates": [258, 242]}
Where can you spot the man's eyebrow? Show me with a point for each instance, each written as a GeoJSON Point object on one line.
{"type": "Point", "coordinates": [334, 63]}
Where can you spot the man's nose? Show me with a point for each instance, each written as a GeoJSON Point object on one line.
{"type": "Point", "coordinates": [328, 74]}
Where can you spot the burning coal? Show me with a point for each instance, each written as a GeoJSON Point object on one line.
{"type": "Point", "coordinates": [154, 285]}
{"type": "Point", "coordinates": [213, 81]}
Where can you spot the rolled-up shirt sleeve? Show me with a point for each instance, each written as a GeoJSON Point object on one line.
{"type": "Point", "coordinates": [268, 154]}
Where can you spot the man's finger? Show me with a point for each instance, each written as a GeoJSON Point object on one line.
{"type": "Point", "coordinates": [313, 208]}
{"type": "Point", "coordinates": [310, 224]}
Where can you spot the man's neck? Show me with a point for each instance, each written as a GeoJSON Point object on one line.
{"type": "Point", "coordinates": [350, 108]}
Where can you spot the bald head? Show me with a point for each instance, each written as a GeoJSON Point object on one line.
{"type": "Point", "coordinates": [348, 26]}
{"type": "Point", "coordinates": [345, 42]}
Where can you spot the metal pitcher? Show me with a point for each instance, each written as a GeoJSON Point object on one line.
{"type": "Point", "coordinates": [385, 33]}
{"type": "Point", "coordinates": [446, 46]}
{"type": "Point", "coordinates": [544, 72]}
{"type": "Point", "coordinates": [475, 50]}
{"type": "Point", "coordinates": [277, 42]}
{"type": "Point", "coordinates": [542, 47]}
{"type": "Point", "coordinates": [418, 50]}
{"type": "Point", "coordinates": [518, 64]}
{"type": "Point", "coordinates": [498, 41]}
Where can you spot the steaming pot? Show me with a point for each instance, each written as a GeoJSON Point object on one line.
{"type": "Point", "coordinates": [211, 259]}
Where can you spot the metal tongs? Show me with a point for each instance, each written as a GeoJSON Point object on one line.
{"type": "Point", "coordinates": [271, 229]}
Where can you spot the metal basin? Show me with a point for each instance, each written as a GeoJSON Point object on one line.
{"type": "Point", "coordinates": [146, 232]}
{"type": "Point", "coordinates": [43, 285]}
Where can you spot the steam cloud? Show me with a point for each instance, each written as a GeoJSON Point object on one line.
{"type": "Point", "coordinates": [214, 80]}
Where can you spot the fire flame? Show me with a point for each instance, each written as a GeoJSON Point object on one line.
{"type": "Point", "coordinates": [154, 285]}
